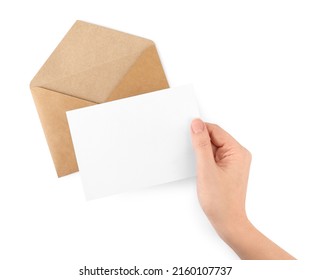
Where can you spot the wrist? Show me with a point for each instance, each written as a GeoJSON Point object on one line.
{"type": "Point", "coordinates": [238, 227]}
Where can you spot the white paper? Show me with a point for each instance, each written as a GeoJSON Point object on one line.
{"type": "Point", "coordinates": [135, 142]}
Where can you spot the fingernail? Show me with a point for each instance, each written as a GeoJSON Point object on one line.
{"type": "Point", "coordinates": [197, 126]}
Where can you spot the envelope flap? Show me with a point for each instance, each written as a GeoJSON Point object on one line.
{"type": "Point", "coordinates": [145, 75]}
{"type": "Point", "coordinates": [94, 84]}
{"type": "Point", "coordinates": [52, 107]}
{"type": "Point", "coordinates": [93, 45]}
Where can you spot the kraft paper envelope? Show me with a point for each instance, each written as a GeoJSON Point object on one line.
{"type": "Point", "coordinates": [92, 64]}
{"type": "Point", "coordinates": [135, 142]}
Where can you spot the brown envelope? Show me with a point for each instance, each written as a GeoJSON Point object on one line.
{"type": "Point", "coordinates": [91, 65]}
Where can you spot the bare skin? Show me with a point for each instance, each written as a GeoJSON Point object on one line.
{"type": "Point", "coordinates": [222, 174]}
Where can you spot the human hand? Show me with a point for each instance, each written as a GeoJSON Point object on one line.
{"type": "Point", "coordinates": [222, 175]}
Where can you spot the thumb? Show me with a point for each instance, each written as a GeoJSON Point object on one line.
{"type": "Point", "coordinates": [201, 143]}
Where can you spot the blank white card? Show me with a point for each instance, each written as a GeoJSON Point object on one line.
{"type": "Point", "coordinates": [134, 142]}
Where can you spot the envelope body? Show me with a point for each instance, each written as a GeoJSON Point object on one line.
{"type": "Point", "coordinates": [91, 65]}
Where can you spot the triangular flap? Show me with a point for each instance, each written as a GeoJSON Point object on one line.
{"type": "Point", "coordinates": [95, 84]}
{"type": "Point", "coordinates": [52, 107]}
{"type": "Point", "coordinates": [86, 46]}
{"type": "Point", "coordinates": [145, 75]}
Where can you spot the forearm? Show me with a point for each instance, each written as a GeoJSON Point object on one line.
{"type": "Point", "coordinates": [250, 244]}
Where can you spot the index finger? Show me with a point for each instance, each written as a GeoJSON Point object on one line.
{"type": "Point", "coordinates": [219, 136]}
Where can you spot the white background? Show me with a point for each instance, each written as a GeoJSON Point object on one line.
{"type": "Point", "coordinates": [250, 63]}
